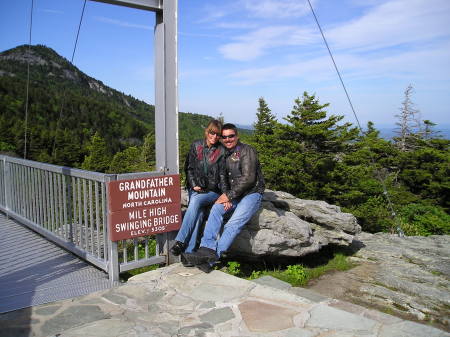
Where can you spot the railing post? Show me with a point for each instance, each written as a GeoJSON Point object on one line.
{"type": "Point", "coordinates": [7, 181]}
{"type": "Point", "coordinates": [113, 263]}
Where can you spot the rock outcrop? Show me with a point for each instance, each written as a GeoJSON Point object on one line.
{"type": "Point", "coordinates": [408, 277]}
{"type": "Point", "coordinates": [288, 226]}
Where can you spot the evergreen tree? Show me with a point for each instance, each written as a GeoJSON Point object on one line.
{"type": "Point", "coordinates": [97, 159]}
{"type": "Point", "coordinates": [300, 156]}
{"type": "Point", "coordinates": [148, 150]}
{"type": "Point", "coordinates": [128, 161]}
{"type": "Point", "coordinates": [265, 121]}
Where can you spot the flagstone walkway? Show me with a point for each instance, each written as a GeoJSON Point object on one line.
{"type": "Point", "coordinates": [177, 301]}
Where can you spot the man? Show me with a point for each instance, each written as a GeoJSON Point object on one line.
{"type": "Point", "coordinates": [242, 198]}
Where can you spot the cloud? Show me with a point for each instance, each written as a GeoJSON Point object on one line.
{"type": "Point", "coordinates": [393, 23]}
{"type": "Point", "coordinates": [275, 8]}
{"type": "Point", "coordinates": [305, 69]}
{"type": "Point", "coordinates": [52, 11]}
{"type": "Point", "coordinates": [122, 23]}
{"type": "Point", "coordinates": [407, 65]}
{"type": "Point", "coordinates": [262, 9]}
{"type": "Point", "coordinates": [254, 44]}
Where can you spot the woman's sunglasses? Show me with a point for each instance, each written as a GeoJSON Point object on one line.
{"type": "Point", "coordinates": [214, 133]}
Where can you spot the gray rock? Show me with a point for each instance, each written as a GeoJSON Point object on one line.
{"type": "Point", "coordinates": [273, 282]}
{"type": "Point", "coordinates": [288, 226]}
{"type": "Point", "coordinates": [408, 277]}
{"type": "Point", "coordinates": [217, 316]}
{"type": "Point", "coordinates": [292, 227]}
{"type": "Point", "coordinates": [326, 317]}
{"type": "Point", "coordinates": [72, 317]}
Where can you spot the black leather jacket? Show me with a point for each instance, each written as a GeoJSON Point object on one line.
{"type": "Point", "coordinates": [205, 167]}
{"type": "Point", "coordinates": [243, 171]}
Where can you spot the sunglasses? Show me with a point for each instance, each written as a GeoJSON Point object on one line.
{"type": "Point", "coordinates": [229, 136]}
{"type": "Point", "coordinates": [213, 133]}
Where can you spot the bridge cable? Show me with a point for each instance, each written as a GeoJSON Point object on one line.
{"type": "Point", "coordinates": [64, 92]}
{"type": "Point", "coordinates": [385, 191]}
{"type": "Point", "coordinates": [28, 82]}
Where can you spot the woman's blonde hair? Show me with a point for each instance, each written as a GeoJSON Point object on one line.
{"type": "Point", "coordinates": [213, 125]}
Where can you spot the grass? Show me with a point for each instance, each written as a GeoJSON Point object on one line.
{"type": "Point", "coordinates": [296, 275]}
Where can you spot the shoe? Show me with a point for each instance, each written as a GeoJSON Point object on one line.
{"type": "Point", "coordinates": [202, 255]}
{"type": "Point", "coordinates": [177, 248]}
{"type": "Point", "coordinates": [205, 267]}
{"type": "Point", "coordinates": [185, 263]}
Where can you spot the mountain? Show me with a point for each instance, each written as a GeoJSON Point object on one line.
{"type": "Point", "coordinates": [67, 107]}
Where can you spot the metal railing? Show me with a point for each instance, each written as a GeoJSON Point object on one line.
{"type": "Point", "coordinates": [69, 207]}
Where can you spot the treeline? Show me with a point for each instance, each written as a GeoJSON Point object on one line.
{"type": "Point", "coordinates": [395, 185]}
{"type": "Point", "coordinates": [75, 120]}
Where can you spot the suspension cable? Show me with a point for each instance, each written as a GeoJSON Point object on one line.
{"type": "Point", "coordinates": [28, 82]}
{"type": "Point", "coordinates": [334, 63]}
{"type": "Point", "coordinates": [385, 191]}
{"type": "Point", "coordinates": [64, 92]}
{"type": "Point", "coordinates": [78, 32]}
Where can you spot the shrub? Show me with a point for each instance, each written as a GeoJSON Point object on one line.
{"type": "Point", "coordinates": [419, 219]}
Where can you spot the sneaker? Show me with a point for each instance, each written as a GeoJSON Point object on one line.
{"type": "Point", "coordinates": [185, 263]}
{"type": "Point", "coordinates": [205, 267]}
{"type": "Point", "coordinates": [177, 248]}
{"type": "Point", "coordinates": [202, 255]}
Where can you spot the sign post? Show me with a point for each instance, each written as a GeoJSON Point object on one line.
{"type": "Point", "coordinates": [144, 206]}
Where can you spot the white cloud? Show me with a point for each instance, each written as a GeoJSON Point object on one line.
{"type": "Point", "coordinates": [261, 9]}
{"type": "Point", "coordinates": [394, 23]}
{"type": "Point", "coordinates": [254, 44]}
{"type": "Point", "coordinates": [122, 23]}
{"type": "Point", "coordinates": [275, 8]}
{"type": "Point", "coordinates": [307, 68]}
{"type": "Point", "coordinates": [406, 66]}
{"type": "Point", "coordinates": [52, 11]}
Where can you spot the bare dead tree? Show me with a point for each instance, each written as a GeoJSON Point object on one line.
{"type": "Point", "coordinates": [409, 126]}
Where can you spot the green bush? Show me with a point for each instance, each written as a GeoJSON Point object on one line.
{"type": "Point", "coordinates": [419, 219]}
{"type": "Point", "coordinates": [233, 268]}
{"type": "Point", "coordinates": [297, 274]}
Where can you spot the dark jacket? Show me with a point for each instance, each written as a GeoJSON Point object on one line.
{"type": "Point", "coordinates": [243, 172]}
{"type": "Point", "coordinates": [205, 167]}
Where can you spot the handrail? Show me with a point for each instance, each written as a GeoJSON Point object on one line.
{"type": "Point", "coordinates": [69, 207]}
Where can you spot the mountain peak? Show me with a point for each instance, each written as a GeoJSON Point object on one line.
{"type": "Point", "coordinates": [36, 55]}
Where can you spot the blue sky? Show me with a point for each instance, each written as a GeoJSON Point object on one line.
{"type": "Point", "coordinates": [233, 52]}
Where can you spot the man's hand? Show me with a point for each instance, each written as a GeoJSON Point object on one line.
{"type": "Point", "coordinates": [197, 188]}
{"type": "Point", "coordinates": [227, 205]}
{"type": "Point", "coordinates": [222, 199]}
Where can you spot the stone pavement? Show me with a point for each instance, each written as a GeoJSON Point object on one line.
{"type": "Point", "coordinates": [178, 301]}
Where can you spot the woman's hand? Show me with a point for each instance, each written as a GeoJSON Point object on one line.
{"type": "Point", "coordinates": [197, 188]}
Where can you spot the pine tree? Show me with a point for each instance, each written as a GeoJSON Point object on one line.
{"type": "Point", "coordinates": [98, 159]}
{"type": "Point", "coordinates": [265, 121]}
{"type": "Point", "coordinates": [148, 149]}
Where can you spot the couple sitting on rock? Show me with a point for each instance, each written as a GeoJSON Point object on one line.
{"type": "Point", "coordinates": [226, 175]}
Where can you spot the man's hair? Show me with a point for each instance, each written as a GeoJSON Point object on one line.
{"type": "Point", "coordinates": [230, 126]}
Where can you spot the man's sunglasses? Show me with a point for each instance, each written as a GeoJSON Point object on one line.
{"type": "Point", "coordinates": [229, 136]}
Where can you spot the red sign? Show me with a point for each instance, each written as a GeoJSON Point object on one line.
{"type": "Point", "coordinates": [144, 206]}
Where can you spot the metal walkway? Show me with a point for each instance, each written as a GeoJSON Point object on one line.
{"type": "Point", "coordinates": [35, 271]}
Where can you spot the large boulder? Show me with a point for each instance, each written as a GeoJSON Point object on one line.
{"type": "Point", "coordinates": [288, 226]}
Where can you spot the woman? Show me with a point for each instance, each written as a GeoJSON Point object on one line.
{"type": "Point", "coordinates": [205, 178]}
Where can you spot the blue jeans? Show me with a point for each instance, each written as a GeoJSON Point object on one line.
{"type": "Point", "coordinates": [193, 218]}
{"type": "Point", "coordinates": [243, 209]}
